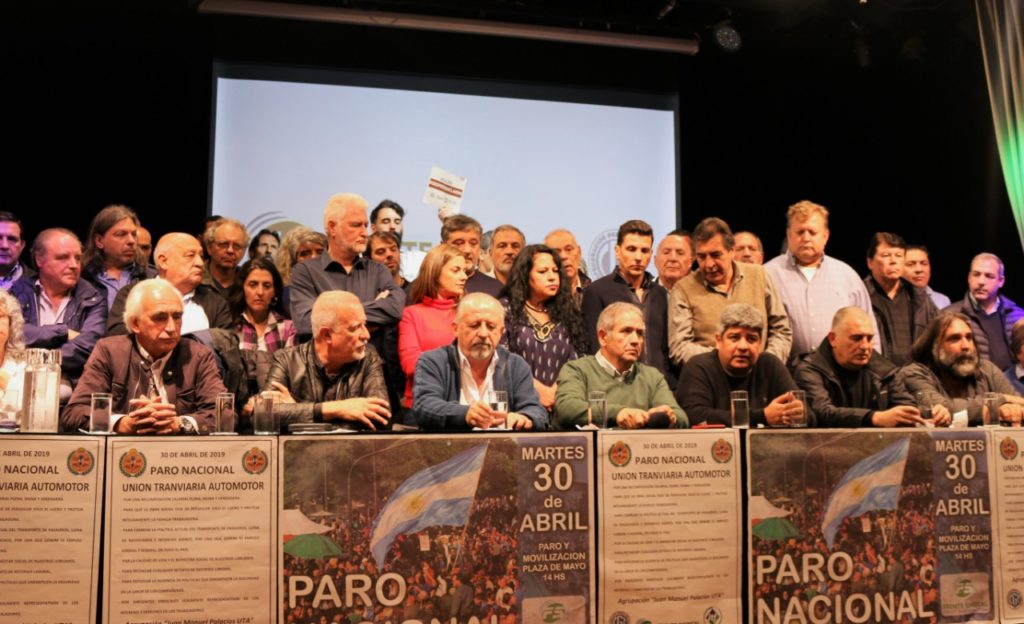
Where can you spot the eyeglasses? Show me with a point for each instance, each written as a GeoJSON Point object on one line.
{"type": "Point", "coordinates": [225, 245]}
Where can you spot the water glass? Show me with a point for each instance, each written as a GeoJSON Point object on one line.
{"type": "Point", "coordinates": [497, 400]}
{"type": "Point", "coordinates": [99, 412]}
{"type": "Point", "coordinates": [799, 421]}
{"type": "Point", "coordinates": [264, 420]}
{"type": "Point", "coordinates": [990, 409]}
{"type": "Point", "coordinates": [597, 409]}
{"type": "Point", "coordinates": [739, 406]}
{"type": "Point", "coordinates": [224, 415]}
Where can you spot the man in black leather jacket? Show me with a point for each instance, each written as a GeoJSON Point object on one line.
{"type": "Point", "coordinates": [337, 376]}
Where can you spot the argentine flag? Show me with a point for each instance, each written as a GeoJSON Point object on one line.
{"type": "Point", "coordinates": [438, 495]}
{"type": "Point", "coordinates": [872, 483]}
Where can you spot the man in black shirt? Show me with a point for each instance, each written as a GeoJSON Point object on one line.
{"type": "Point", "coordinates": [901, 308]}
{"type": "Point", "coordinates": [737, 363]}
{"type": "Point", "coordinates": [848, 384]}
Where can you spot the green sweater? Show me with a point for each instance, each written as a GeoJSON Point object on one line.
{"type": "Point", "coordinates": [643, 388]}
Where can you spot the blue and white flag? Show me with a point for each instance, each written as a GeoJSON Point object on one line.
{"type": "Point", "coordinates": [438, 495]}
{"type": "Point", "coordinates": [872, 483]}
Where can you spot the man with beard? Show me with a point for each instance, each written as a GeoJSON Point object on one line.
{"type": "Point", "coordinates": [952, 378]}
{"type": "Point", "coordinates": [848, 384]}
{"type": "Point", "coordinates": [453, 384]}
{"type": "Point", "coordinates": [506, 243]}
{"type": "Point", "coordinates": [738, 364]}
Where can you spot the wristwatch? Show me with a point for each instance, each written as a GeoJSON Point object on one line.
{"type": "Point", "coordinates": [187, 426]}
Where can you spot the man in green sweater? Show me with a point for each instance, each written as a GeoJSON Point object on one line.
{"type": "Point", "coordinates": [637, 394]}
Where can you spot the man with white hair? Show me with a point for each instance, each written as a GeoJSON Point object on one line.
{"type": "Point", "coordinates": [160, 384]}
{"type": "Point", "coordinates": [344, 267]}
{"type": "Point", "coordinates": [453, 384]}
{"type": "Point", "coordinates": [179, 260]}
{"type": "Point", "coordinates": [337, 376]}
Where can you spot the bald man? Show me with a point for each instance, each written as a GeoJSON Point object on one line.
{"type": "Point", "coordinates": [337, 377]}
{"type": "Point", "coordinates": [849, 384]}
{"type": "Point", "coordinates": [454, 385]}
{"type": "Point", "coordinates": [179, 260]}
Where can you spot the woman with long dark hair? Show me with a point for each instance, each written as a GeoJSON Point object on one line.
{"type": "Point", "coordinates": [542, 323]}
{"type": "Point", "coordinates": [261, 321]}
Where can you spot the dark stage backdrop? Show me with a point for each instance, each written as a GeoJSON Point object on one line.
{"type": "Point", "coordinates": [113, 105]}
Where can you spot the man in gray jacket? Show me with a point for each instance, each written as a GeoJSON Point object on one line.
{"type": "Point", "coordinates": [335, 377]}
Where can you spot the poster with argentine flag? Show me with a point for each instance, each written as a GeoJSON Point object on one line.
{"type": "Point", "coordinates": [870, 525]}
{"type": "Point", "coordinates": [461, 528]}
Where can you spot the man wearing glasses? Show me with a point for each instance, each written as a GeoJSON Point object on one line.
{"type": "Point", "coordinates": [226, 241]}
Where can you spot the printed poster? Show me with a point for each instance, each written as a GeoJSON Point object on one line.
{"type": "Point", "coordinates": [670, 527]}
{"type": "Point", "coordinates": [189, 530]}
{"type": "Point", "coordinates": [415, 528]}
{"type": "Point", "coordinates": [870, 526]}
{"type": "Point", "coordinates": [51, 503]}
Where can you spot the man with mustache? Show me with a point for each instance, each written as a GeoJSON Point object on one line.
{"type": "Point", "coordinates": [506, 243]}
{"type": "Point", "coordinates": [990, 314]}
{"type": "Point", "coordinates": [848, 384]}
{"type": "Point", "coordinates": [749, 248]}
{"type": "Point", "coordinates": [637, 395]}
{"type": "Point", "coordinates": [160, 384]}
{"type": "Point", "coordinates": [952, 378]}
{"type": "Point", "coordinates": [737, 363]}
{"type": "Point", "coordinates": [337, 376]}
{"type": "Point", "coordinates": [453, 384]}
{"type": "Point", "coordinates": [630, 282]}
{"type": "Point", "coordinates": [697, 301]}
{"type": "Point", "coordinates": [61, 310]}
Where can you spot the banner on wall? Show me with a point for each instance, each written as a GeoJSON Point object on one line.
{"type": "Point", "coordinates": [869, 526]}
{"type": "Point", "coordinates": [51, 503]}
{"type": "Point", "coordinates": [491, 527]}
{"type": "Point", "coordinates": [670, 526]}
{"type": "Point", "coordinates": [189, 530]}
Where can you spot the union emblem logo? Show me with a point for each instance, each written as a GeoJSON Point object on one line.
{"type": "Point", "coordinates": [81, 462]}
{"type": "Point", "coordinates": [619, 454]}
{"type": "Point", "coordinates": [1008, 448]}
{"type": "Point", "coordinates": [721, 451]}
{"type": "Point", "coordinates": [132, 463]}
{"type": "Point", "coordinates": [254, 461]}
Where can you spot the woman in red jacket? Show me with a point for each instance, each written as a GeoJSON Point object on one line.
{"type": "Point", "coordinates": [427, 323]}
